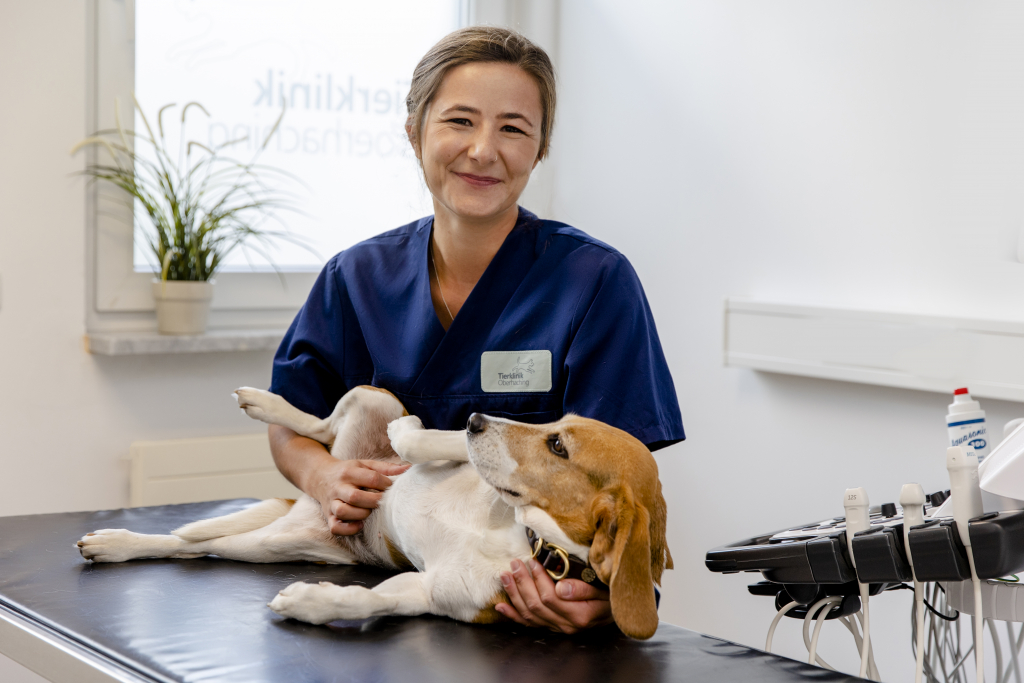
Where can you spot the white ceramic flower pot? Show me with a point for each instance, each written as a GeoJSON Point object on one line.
{"type": "Point", "coordinates": [182, 307]}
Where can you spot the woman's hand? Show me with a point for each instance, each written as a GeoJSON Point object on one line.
{"type": "Point", "coordinates": [349, 490]}
{"type": "Point", "coordinates": [536, 600]}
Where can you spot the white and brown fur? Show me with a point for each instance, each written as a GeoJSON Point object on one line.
{"type": "Point", "coordinates": [456, 517]}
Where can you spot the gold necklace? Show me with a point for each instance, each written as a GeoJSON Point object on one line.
{"type": "Point", "coordinates": [440, 290]}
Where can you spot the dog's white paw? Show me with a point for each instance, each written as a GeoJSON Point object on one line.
{"type": "Point", "coordinates": [400, 432]}
{"type": "Point", "coordinates": [113, 545]}
{"type": "Point", "coordinates": [257, 403]}
{"type": "Point", "coordinates": [308, 602]}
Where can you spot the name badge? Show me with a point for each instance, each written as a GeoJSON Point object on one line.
{"type": "Point", "coordinates": [508, 371]}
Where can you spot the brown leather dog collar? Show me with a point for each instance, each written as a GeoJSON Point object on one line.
{"type": "Point", "coordinates": [559, 564]}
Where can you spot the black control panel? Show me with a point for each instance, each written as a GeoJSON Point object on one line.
{"type": "Point", "coordinates": [818, 554]}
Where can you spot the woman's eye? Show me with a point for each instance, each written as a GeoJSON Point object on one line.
{"type": "Point", "coordinates": [512, 129]}
{"type": "Point", "coordinates": [556, 447]}
{"type": "Point", "coordinates": [461, 122]}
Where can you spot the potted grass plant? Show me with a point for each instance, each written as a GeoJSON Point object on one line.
{"type": "Point", "coordinates": [197, 205]}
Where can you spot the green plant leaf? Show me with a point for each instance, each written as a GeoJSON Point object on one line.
{"type": "Point", "coordinates": [197, 209]}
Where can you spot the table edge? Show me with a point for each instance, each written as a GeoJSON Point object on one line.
{"type": "Point", "coordinates": [57, 657]}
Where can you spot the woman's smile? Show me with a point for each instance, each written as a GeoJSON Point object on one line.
{"type": "Point", "coordinates": [477, 180]}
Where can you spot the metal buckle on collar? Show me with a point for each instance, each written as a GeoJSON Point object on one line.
{"type": "Point", "coordinates": [562, 555]}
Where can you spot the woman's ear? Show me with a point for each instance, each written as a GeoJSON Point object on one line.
{"type": "Point", "coordinates": [621, 557]}
{"type": "Point", "coordinates": [413, 139]}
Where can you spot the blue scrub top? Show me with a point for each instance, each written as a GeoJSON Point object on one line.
{"type": "Point", "coordinates": [369, 319]}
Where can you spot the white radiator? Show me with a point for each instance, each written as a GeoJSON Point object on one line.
{"type": "Point", "coordinates": [194, 470]}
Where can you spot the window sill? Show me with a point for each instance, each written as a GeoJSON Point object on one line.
{"type": "Point", "coordinates": [150, 343]}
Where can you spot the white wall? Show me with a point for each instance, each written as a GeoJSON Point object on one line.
{"type": "Point", "coordinates": [66, 417]}
{"type": "Point", "coordinates": [862, 154]}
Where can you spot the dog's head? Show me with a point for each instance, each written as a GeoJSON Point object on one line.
{"type": "Point", "coordinates": [601, 487]}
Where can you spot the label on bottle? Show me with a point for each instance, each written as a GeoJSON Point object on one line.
{"type": "Point", "coordinates": [970, 435]}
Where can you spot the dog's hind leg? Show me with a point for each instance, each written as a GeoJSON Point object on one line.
{"type": "Point", "coordinates": [255, 517]}
{"type": "Point", "coordinates": [299, 535]}
{"type": "Point", "coordinates": [281, 541]}
{"type": "Point", "coordinates": [404, 595]}
{"type": "Point", "coordinates": [121, 545]}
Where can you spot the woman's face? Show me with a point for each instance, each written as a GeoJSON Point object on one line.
{"type": "Point", "coordinates": [480, 139]}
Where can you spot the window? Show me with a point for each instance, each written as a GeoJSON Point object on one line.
{"type": "Point", "coordinates": [339, 70]}
{"type": "Point", "coordinates": [342, 71]}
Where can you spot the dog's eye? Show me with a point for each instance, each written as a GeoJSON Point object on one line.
{"type": "Point", "coordinates": [556, 447]}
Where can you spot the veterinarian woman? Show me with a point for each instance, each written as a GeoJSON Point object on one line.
{"type": "Point", "coordinates": [481, 307]}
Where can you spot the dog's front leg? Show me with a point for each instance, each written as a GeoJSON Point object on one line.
{"type": "Point", "coordinates": [403, 595]}
{"type": "Point", "coordinates": [417, 445]}
{"type": "Point", "coordinates": [272, 409]}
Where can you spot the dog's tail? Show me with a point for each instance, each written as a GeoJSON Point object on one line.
{"type": "Point", "coordinates": [249, 519]}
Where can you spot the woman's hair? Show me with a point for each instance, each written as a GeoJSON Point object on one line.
{"type": "Point", "coordinates": [481, 44]}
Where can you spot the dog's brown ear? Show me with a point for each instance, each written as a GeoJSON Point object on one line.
{"type": "Point", "coordinates": [661, 558]}
{"type": "Point", "coordinates": [621, 556]}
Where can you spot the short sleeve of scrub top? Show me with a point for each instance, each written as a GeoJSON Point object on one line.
{"type": "Point", "coordinates": [555, 306]}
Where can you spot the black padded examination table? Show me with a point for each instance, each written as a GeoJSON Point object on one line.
{"type": "Point", "coordinates": [207, 620]}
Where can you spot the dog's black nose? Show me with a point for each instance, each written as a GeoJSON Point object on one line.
{"type": "Point", "coordinates": [477, 423]}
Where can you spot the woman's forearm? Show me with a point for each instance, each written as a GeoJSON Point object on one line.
{"type": "Point", "coordinates": [298, 458]}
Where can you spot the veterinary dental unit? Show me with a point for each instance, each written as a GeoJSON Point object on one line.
{"type": "Point", "coordinates": [959, 550]}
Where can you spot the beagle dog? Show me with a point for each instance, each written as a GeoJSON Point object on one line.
{"type": "Point", "coordinates": [453, 522]}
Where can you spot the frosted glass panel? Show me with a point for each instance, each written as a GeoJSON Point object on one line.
{"type": "Point", "coordinates": [341, 68]}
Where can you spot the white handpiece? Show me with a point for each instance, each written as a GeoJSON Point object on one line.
{"type": "Point", "coordinates": [857, 517]}
{"type": "Point", "coordinates": [964, 488]}
{"type": "Point", "coordinates": [912, 502]}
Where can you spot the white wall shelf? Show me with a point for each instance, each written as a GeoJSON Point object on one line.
{"type": "Point", "coordinates": [142, 343]}
{"type": "Point", "coordinates": [924, 352]}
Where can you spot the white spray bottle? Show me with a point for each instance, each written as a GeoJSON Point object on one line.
{"type": "Point", "coordinates": [966, 422]}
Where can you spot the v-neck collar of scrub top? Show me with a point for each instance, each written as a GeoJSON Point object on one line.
{"type": "Point", "coordinates": [491, 294]}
